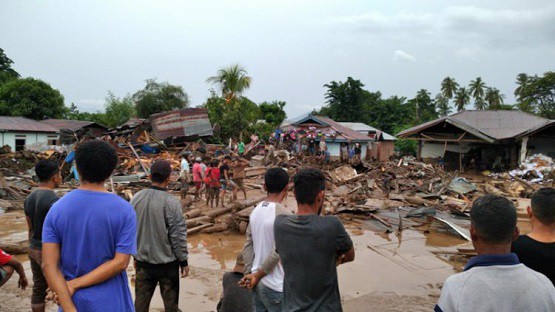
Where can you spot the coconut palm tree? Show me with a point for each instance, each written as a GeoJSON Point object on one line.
{"type": "Point", "coordinates": [477, 88]}
{"type": "Point", "coordinates": [449, 87]}
{"type": "Point", "coordinates": [232, 80]}
{"type": "Point", "coordinates": [462, 98]}
{"type": "Point", "coordinates": [442, 105]}
{"type": "Point", "coordinates": [494, 98]}
{"type": "Point", "coordinates": [522, 81]}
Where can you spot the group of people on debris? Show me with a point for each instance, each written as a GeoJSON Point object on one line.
{"type": "Point", "coordinates": [81, 246]}
{"type": "Point", "coordinates": [213, 177]}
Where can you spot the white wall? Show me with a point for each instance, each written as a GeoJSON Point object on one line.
{"type": "Point", "coordinates": [8, 138]}
{"type": "Point", "coordinates": [334, 148]}
{"type": "Point", "coordinates": [434, 150]}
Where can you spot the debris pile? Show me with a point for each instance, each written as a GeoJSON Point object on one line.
{"type": "Point", "coordinates": [536, 168]}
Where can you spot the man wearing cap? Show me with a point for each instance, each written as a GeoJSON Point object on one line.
{"type": "Point", "coordinates": [161, 241]}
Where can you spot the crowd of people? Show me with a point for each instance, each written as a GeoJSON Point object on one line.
{"type": "Point", "coordinates": [80, 245]}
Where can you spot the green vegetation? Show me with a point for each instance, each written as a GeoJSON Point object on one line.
{"type": "Point", "coordinates": [158, 97]}
{"type": "Point", "coordinates": [31, 98]}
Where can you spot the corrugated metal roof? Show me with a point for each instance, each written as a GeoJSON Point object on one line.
{"type": "Point", "coordinates": [550, 123]}
{"type": "Point", "coordinates": [71, 125]}
{"type": "Point", "coordinates": [133, 122]}
{"type": "Point", "coordinates": [21, 124]}
{"type": "Point", "coordinates": [488, 124]}
{"type": "Point", "coordinates": [359, 126]}
{"type": "Point", "coordinates": [181, 123]}
{"type": "Point", "coordinates": [343, 133]}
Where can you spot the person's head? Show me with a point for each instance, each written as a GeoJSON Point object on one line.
{"type": "Point", "coordinates": [207, 160]}
{"type": "Point", "coordinates": [215, 162]}
{"type": "Point", "coordinates": [493, 222]}
{"type": "Point", "coordinates": [227, 159]}
{"type": "Point", "coordinates": [160, 172]}
{"type": "Point", "coordinates": [48, 172]}
{"type": "Point", "coordinates": [276, 181]}
{"type": "Point", "coordinates": [310, 185]}
{"type": "Point", "coordinates": [543, 206]}
{"type": "Point", "coordinates": [95, 161]}
{"type": "Point", "coordinates": [198, 160]}
{"type": "Point", "coordinates": [185, 155]}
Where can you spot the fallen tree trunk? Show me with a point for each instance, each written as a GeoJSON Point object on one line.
{"type": "Point", "coordinates": [198, 228]}
{"type": "Point", "coordinates": [197, 221]}
{"type": "Point", "coordinates": [215, 228]}
{"type": "Point", "coordinates": [193, 213]}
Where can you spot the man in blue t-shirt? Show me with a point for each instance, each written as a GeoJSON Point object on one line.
{"type": "Point", "coordinates": [88, 238]}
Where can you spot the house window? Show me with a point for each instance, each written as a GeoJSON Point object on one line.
{"type": "Point", "coordinates": [52, 142]}
{"type": "Point", "coordinates": [19, 145]}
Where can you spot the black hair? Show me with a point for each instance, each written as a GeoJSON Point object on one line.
{"type": "Point", "coordinates": [158, 177]}
{"type": "Point", "coordinates": [46, 169]}
{"type": "Point", "coordinates": [227, 157]}
{"type": "Point", "coordinates": [215, 162]}
{"type": "Point", "coordinates": [308, 183]}
{"type": "Point", "coordinates": [95, 160]}
{"type": "Point", "coordinates": [543, 205]}
{"type": "Point", "coordinates": [494, 218]}
{"type": "Point", "coordinates": [276, 180]}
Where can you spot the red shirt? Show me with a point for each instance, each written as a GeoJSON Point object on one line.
{"type": "Point", "coordinates": [4, 257]}
{"type": "Point", "coordinates": [214, 174]}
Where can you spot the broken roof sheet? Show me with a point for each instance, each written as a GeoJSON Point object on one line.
{"type": "Point", "coordinates": [181, 123]}
{"type": "Point", "coordinates": [71, 125]}
{"type": "Point", "coordinates": [21, 124]}
{"type": "Point", "coordinates": [489, 124]}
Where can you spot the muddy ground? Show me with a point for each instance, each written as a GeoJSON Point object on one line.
{"type": "Point", "coordinates": [390, 273]}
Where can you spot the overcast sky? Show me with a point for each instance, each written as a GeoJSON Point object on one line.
{"type": "Point", "coordinates": [289, 48]}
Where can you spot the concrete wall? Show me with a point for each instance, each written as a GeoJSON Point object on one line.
{"type": "Point", "coordinates": [8, 138]}
{"type": "Point", "coordinates": [545, 146]}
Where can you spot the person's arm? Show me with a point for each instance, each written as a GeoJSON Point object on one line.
{"type": "Point", "coordinates": [16, 265]}
{"type": "Point", "coordinates": [344, 244]}
{"type": "Point", "coordinates": [54, 277]}
{"type": "Point", "coordinates": [177, 234]}
{"type": "Point", "coordinates": [248, 250]}
{"type": "Point", "coordinates": [30, 226]}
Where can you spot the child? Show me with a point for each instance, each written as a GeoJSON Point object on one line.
{"type": "Point", "coordinates": [7, 266]}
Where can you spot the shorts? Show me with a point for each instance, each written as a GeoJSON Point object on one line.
{"type": "Point", "coordinates": [198, 185]}
{"type": "Point", "coordinates": [39, 282]}
{"type": "Point", "coordinates": [239, 182]}
{"type": "Point", "coordinates": [223, 184]}
{"type": "Point", "coordinates": [3, 274]}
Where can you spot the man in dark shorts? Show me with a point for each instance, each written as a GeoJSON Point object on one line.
{"type": "Point", "coordinates": [234, 297]}
{"type": "Point", "coordinates": [161, 241]}
{"type": "Point", "coordinates": [537, 249]}
{"type": "Point", "coordinates": [310, 247]}
{"type": "Point", "coordinates": [8, 265]}
{"type": "Point", "coordinates": [37, 205]}
{"type": "Point", "coordinates": [225, 177]}
{"type": "Point", "coordinates": [238, 165]}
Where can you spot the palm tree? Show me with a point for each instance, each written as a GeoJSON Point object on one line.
{"type": "Point", "coordinates": [522, 81]}
{"type": "Point", "coordinates": [449, 87]}
{"type": "Point", "coordinates": [476, 88]}
{"type": "Point", "coordinates": [494, 98]}
{"type": "Point", "coordinates": [462, 98]}
{"type": "Point", "coordinates": [232, 80]}
{"type": "Point", "coordinates": [442, 105]}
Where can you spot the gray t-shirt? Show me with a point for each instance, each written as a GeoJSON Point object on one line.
{"type": "Point", "coordinates": [308, 246]}
{"type": "Point", "coordinates": [37, 205]}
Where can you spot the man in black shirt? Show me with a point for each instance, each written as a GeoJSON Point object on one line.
{"type": "Point", "coordinates": [225, 177]}
{"type": "Point", "coordinates": [37, 205]}
{"type": "Point", "coordinates": [537, 249]}
{"type": "Point", "coordinates": [234, 297]}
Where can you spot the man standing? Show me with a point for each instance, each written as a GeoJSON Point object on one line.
{"type": "Point", "coordinates": [238, 165]}
{"type": "Point", "coordinates": [225, 177]}
{"type": "Point", "coordinates": [184, 175]}
{"type": "Point", "coordinates": [310, 247]}
{"type": "Point", "coordinates": [37, 205]}
{"type": "Point", "coordinates": [537, 249]}
{"type": "Point", "coordinates": [241, 148]}
{"type": "Point", "coordinates": [495, 280]}
{"type": "Point", "coordinates": [88, 238]}
{"type": "Point", "coordinates": [197, 176]}
{"type": "Point", "coordinates": [161, 241]}
{"type": "Point", "coordinates": [322, 145]}
{"type": "Point", "coordinates": [259, 250]}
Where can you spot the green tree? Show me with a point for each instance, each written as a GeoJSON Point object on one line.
{"type": "Point", "coordinates": [522, 82]}
{"type": "Point", "coordinates": [232, 82]}
{"type": "Point", "coordinates": [387, 114]}
{"type": "Point", "coordinates": [158, 97]}
{"type": "Point", "coordinates": [273, 113]}
{"type": "Point", "coordinates": [442, 105]}
{"type": "Point", "coordinates": [462, 98]}
{"type": "Point", "coordinates": [31, 98]}
{"type": "Point", "coordinates": [117, 110]}
{"type": "Point", "coordinates": [477, 88]}
{"type": "Point", "coordinates": [7, 73]}
{"type": "Point", "coordinates": [449, 87]}
{"type": "Point", "coordinates": [424, 107]}
{"type": "Point", "coordinates": [345, 100]}
{"type": "Point", "coordinates": [494, 98]}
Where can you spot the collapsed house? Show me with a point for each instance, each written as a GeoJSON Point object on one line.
{"type": "Point", "coordinates": [483, 139]}
{"type": "Point", "coordinates": [74, 130]}
{"type": "Point", "coordinates": [18, 132]}
{"type": "Point", "coordinates": [382, 147]}
{"type": "Point", "coordinates": [335, 134]}
{"type": "Point", "coordinates": [179, 126]}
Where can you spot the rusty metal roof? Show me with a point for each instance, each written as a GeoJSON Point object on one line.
{"type": "Point", "coordinates": [133, 122]}
{"type": "Point", "coordinates": [71, 125]}
{"type": "Point", "coordinates": [21, 124]}
{"type": "Point", "coordinates": [343, 133]}
{"type": "Point", "coordinates": [181, 123]}
{"type": "Point", "coordinates": [488, 124]}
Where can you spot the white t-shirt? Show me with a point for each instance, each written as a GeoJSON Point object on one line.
{"type": "Point", "coordinates": [184, 166]}
{"type": "Point", "coordinates": [262, 229]}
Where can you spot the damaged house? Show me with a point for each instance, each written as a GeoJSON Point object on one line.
{"type": "Point", "coordinates": [483, 139]}
{"type": "Point", "coordinates": [74, 130]}
{"type": "Point", "coordinates": [179, 126]}
{"type": "Point", "coordinates": [382, 146]}
{"type": "Point", "coordinates": [18, 132]}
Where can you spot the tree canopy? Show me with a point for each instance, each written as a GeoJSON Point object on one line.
{"type": "Point", "coordinates": [157, 97]}
{"type": "Point", "coordinates": [232, 82]}
{"type": "Point", "coordinates": [536, 94]}
{"type": "Point", "coordinates": [345, 100]}
{"type": "Point", "coordinates": [7, 73]}
{"type": "Point", "coordinates": [31, 98]}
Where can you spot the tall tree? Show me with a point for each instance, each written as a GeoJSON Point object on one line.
{"type": "Point", "coordinates": [7, 73]}
{"type": "Point", "coordinates": [449, 87]}
{"type": "Point", "coordinates": [522, 80]}
{"type": "Point", "coordinates": [273, 113]}
{"type": "Point", "coordinates": [424, 107]}
{"type": "Point", "coordinates": [442, 105]}
{"type": "Point", "coordinates": [157, 97]}
{"type": "Point", "coordinates": [477, 88]}
{"type": "Point", "coordinates": [31, 98]}
{"type": "Point", "coordinates": [462, 98]}
{"type": "Point", "coordinates": [118, 110]}
{"type": "Point", "coordinates": [494, 98]}
{"type": "Point", "coordinates": [345, 100]}
{"type": "Point", "coordinates": [232, 82]}
{"type": "Point", "coordinates": [539, 94]}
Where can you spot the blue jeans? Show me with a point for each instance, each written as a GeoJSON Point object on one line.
{"type": "Point", "coordinates": [266, 299]}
